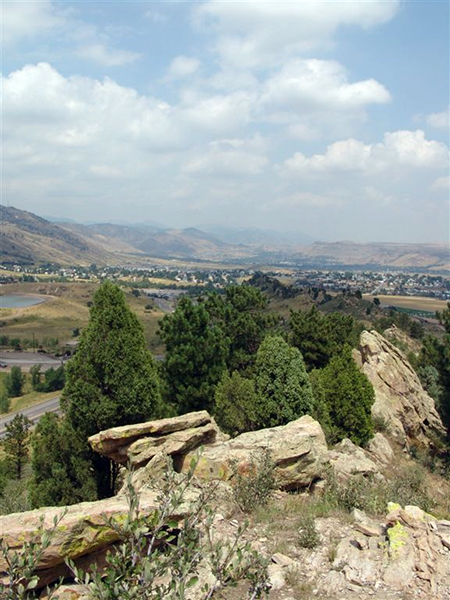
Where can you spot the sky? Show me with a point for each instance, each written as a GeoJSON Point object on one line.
{"type": "Point", "coordinates": [325, 117]}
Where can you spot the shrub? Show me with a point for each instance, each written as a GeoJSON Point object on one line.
{"type": "Point", "coordinates": [308, 536]}
{"type": "Point", "coordinates": [254, 488]}
{"type": "Point", "coordinates": [159, 557]}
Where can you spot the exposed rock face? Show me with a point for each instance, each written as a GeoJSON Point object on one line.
{"type": "Point", "coordinates": [348, 459]}
{"type": "Point", "coordinates": [139, 443]}
{"type": "Point", "coordinates": [82, 534]}
{"type": "Point", "coordinates": [298, 451]}
{"type": "Point", "coordinates": [400, 400]}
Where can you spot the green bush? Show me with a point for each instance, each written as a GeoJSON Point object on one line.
{"type": "Point", "coordinates": [254, 488]}
{"type": "Point", "coordinates": [159, 555]}
{"type": "Point", "coordinates": [308, 536]}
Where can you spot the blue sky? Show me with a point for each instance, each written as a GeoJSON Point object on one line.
{"type": "Point", "coordinates": [331, 118]}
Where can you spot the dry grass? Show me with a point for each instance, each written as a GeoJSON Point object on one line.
{"type": "Point", "coordinates": [414, 302]}
{"type": "Point", "coordinates": [65, 310]}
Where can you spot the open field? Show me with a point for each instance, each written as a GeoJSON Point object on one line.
{"type": "Point", "coordinates": [66, 310]}
{"type": "Point", "coordinates": [412, 302]}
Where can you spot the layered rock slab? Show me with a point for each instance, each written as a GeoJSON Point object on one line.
{"type": "Point", "coordinates": [138, 444]}
{"type": "Point", "coordinates": [400, 400]}
{"type": "Point", "coordinates": [81, 531]}
{"type": "Point", "coordinates": [298, 451]}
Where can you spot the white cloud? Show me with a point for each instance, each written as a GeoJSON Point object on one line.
{"type": "Point", "coordinates": [399, 149]}
{"type": "Point", "coordinates": [228, 158]}
{"type": "Point", "coordinates": [299, 199]}
{"type": "Point", "coordinates": [107, 57]}
{"type": "Point", "coordinates": [28, 19]}
{"type": "Point", "coordinates": [441, 183]}
{"type": "Point", "coordinates": [183, 66]}
{"type": "Point", "coordinates": [316, 84]}
{"type": "Point", "coordinates": [255, 33]}
{"type": "Point", "coordinates": [439, 120]}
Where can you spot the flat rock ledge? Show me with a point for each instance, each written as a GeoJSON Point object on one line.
{"type": "Point", "coordinates": [81, 533]}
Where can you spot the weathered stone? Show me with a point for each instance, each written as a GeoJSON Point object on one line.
{"type": "Point", "coordinates": [113, 442]}
{"type": "Point", "coordinates": [81, 532]}
{"type": "Point", "coordinates": [348, 459]}
{"type": "Point", "coordinates": [178, 442]}
{"type": "Point", "coordinates": [369, 530]}
{"type": "Point", "coordinates": [400, 400]}
{"type": "Point", "coordinates": [282, 560]}
{"type": "Point", "coordinates": [380, 449]}
{"type": "Point", "coordinates": [68, 592]}
{"type": "Point", "coordinates": [298, 451]}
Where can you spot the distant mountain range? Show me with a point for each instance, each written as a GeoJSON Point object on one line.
{"type": "Point", "coordinates": [27, 238]}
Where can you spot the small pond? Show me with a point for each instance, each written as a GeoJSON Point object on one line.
{"type": "Point", "coordinates": [19, 301]}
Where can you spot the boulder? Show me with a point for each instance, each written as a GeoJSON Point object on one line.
{"type": "Point", "coordinates": [140, 442]}
{"type": "Point", "coordinates": [81, 532]}
{"type": "Point", "coordinates": [298, 451]}
{"type": "Point", "coordinates": [348, 459]}
{"type": "Point", "coordinates": [400, 400]}
{"type": "Point", "coordinates": [380, 449]}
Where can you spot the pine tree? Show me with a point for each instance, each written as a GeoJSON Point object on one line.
{"type": "Point", "coordinates": [235, 402]}
{"type": "Point", "coordinates": [112, 379]}
{"type": "Point", "coordinates": [62, 471]}
{"type": "Point", "coordinates": [16, 441]}
{"type": "Point", "coordinates": [282, 384]}
{"type": "Point", "coordinates": [349, 397]}
{"type": "Point", "coordinates": [196, 351]}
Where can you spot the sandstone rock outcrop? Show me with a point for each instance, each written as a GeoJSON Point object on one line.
{"type": "Point", "coordinates": [82, 533]}
{"type": "Point", "coordinates": [400, 400]}
{"type": "Point", "coordinates": [348, 459]}
{"type": "Point", "coordinates": [137, 444]}
{"type": "Point", "coordinates": [298, 451]}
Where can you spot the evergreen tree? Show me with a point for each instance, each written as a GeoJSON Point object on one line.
{"type": "Point", "coordinates": [195, 357]}
{"type": "Point", "coordinates": [112, 379]}
{"type": "Point", "coordinates": [282, 384]}
{"type": "Point", "coordinates": [62, 471]}
{"type": "Point", "coordinates": [15, 442]}
{"type": "Point", "coordinates": [241, 315]}
{"type": "Point", "coordinates": [319, 337]}
{"type": "Point", "coordinates": [349, 397]}
{"type": "Point", "coordinates": [14, 382]}
{"type": "Point", "coordinates": [235, 403]}
{"type": "Point", "coordinates": [436, 353]}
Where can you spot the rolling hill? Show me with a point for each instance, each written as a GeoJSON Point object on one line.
{"type": "Point", "coordinates": [27, 238]}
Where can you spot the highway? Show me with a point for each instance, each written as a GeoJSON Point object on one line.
{"type": "Point", "coordinates": [34, 413]}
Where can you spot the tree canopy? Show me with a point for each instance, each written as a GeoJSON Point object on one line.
{"type": "Point", "coordinates": [282, 384]}
{"type": "Point", "coordinates": [112, 379]}
{"type": "Point", "coordinates": [196, 352]}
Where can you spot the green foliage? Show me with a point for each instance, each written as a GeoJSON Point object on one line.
{"type": "Point", "coordinates": [321, 411]}
{"type": "Point", "coordinates": [160, 558]}
{"type": "Point", "coordinates": [112, 379]}
{"type": "Point", "coordinates": [35, 373]}
{"type": "Point", "coordinates": [254, 487]}
{"type": "Point", "coordinates": [407, 486]}
{"type": "Point", "coordinates": [61, 468]}
{"type": "Point", "coordinates": [282, 385]}
{"type": "Point", "coordinates": [5, 401]}
{"type": "Point", "coordinates": [53, 379]}
{"type": "Point", "coordinates": [235, 402]}
{"type": "Point", "coordinates": [21, 565]}
{"type": "Point", "coordinates": [320, 337]}
{"type": "Point", "coordinates": [241, 315]}
{"type": "Point", "coordinates": [15, 442]}
{"type": "Point", "coordinates": [435, 353]}
{"type": "Point", "coordinates": [308, 536]}
{"type": "Point", "coordinates": [196, 351]}
{"type": "Point", "coordinates": [14, 382]}
{"type": "Point", "coordinates": [349, 397]}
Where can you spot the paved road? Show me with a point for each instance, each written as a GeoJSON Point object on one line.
{"type": "Point", "coordinates": [25, 360]}
{"type": "Point", "coordinates": [34, 413]}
